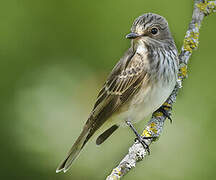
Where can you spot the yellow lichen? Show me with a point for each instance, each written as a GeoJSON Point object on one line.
{"type": "Point", "coordinates": [206, 7]}
{"type": "Point", "coordinates": [158, 114]}
{"type": "Point", "coordinates": [146, 133]}
{"type": "Point", "coordinates": [153, 130]}
{"type": "Point", "coordinates": [203, 6]}
{"type": "Point", "coordinates": [152, 124]}
{"type": "Point", "coordinates": [211, 7]}
{"type": "Point", "coordinates": [191, 41]}
{"type": "Point", "coordinates": [183, 71]}
{"type": "Point", "coordinates": [167, 106]}
{"type": "Point", "coordinates": [117, 171]}
{"type": "Point", "coordinates": [115, 177]}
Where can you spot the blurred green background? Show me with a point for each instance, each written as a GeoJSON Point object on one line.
{"type": "Point", "coordinates": [55, 56]}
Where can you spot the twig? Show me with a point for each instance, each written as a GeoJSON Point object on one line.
{"type": "Point", "coordinates": [155, 126]}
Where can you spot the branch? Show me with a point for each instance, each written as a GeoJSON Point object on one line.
{"type": "Point", "coordinates": [155, 125]}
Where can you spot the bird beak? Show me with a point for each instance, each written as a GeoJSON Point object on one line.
{"type": "Point", "coordinates": [132, 36]}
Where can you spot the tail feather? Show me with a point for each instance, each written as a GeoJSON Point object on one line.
{"type": "Point", "coordinates": [106, 134]}
{"type": "Point", "coordinates": [73, 153]}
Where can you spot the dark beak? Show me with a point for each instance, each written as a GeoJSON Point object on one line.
{"type": "Point", "coordinates": [132, 36]}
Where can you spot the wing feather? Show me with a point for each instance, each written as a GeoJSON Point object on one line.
{"type": "Point", "coordinates": [124, 80]}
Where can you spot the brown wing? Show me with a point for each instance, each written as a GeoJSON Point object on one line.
{"type": "Point", "coordinates": [124, 80]}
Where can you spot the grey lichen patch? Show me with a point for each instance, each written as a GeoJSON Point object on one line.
{"type": "Point", "coordinates": [116, 174]}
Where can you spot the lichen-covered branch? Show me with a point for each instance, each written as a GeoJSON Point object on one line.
{"type": "Point", "coordinates": [155, 126]}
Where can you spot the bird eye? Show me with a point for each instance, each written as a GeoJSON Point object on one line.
{"type": "Point", "coordinates": [154, 31]}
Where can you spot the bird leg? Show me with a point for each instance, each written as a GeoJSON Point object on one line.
{"type": "Point", "coordinates": [139, 137]}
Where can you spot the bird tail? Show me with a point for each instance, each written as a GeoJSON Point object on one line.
{"type": "Point", "coordinates": [74, 151]}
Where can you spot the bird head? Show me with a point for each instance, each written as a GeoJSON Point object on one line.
{"type": "Point", "coordinates": [150, 28]}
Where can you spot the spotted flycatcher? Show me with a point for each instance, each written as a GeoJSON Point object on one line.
{"type": "Point", "coordinates": [138, 85]}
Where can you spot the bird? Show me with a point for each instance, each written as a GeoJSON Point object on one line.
{"type": "Point", "coordinates": [138, 85]}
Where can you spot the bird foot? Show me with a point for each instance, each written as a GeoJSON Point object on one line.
{"type": "Point", "coordinates": [140, 138]}
{"type": "Point", "coordinates": [165, 112]}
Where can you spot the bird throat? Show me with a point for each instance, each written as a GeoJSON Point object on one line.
{"type": "Point", "coordinates": [139, 46]}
